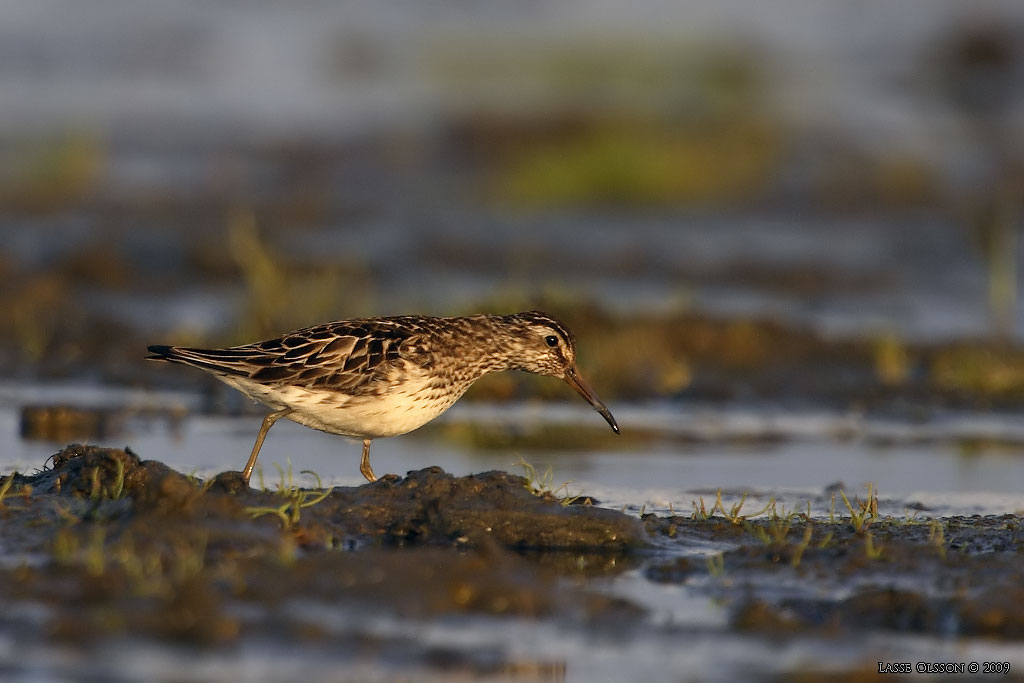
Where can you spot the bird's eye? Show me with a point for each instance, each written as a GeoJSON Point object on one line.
{"type": "Point", "coordinates": [551, 340]}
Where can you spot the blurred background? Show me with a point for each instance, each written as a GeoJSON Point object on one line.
{"type": "Point", "coordinates": [799, 201]}
{"type": "Point", "coordinates": [785, 233]}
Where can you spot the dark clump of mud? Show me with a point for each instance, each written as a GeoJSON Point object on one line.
{"type": "Point", "coordinates": [115, 545]}
{"type": "Point", "coordinates": [430, 506]}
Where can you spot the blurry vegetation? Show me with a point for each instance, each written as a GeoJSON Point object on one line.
{"type": "Point", "coordinates": [282, 296]}
{"type": "Point", "coordinates": [643, 356]}
{"type": "Point", "coordinates": [265, 280]}
{"type": "Point", "coordinates": [612, 73]}
{"type": "Point", "coordinates": [642, 163]}
{"type": "Point", "coordinates": [981, 68]}
{"type": "Point", "coordinates": [994, 371]}
{"type": "Point", "coordinates": [44, 328]}
{"type": "Point", "coordinates": [33, 314]}
{"type": "Point", "coordinates": [658, 123]}
{"type": "Point", "coordinates": [993, 223]}
{"type": "Point", "coordinates": [603, 123]}
{"type": "Point", "coordinates": [633, 161]}
{"type": "Point", "coordinates": [67, 423]}
{"type": "Point", "coordinates": [49, 174]}
{"type": "Point", "coordinates": [851, 180]}
{"type": "Point", "coordinates": [615, 122]}
{"type": "Point", "coordinates": [662, 355]}
{"type": "Point", "coordinates": [892, 362]}
{"type": "Point", "coordinates": [635, 356]}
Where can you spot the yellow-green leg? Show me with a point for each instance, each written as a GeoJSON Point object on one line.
{"type": "Point", "coordinates": [364, 464]}
{"type": "Point", "coordinates": [268, 422]}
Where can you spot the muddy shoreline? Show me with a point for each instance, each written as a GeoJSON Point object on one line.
{"type": "Point", "coordinates": [102, 545]}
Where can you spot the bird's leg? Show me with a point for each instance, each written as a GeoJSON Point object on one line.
{"type": "Point", "coordinates": [364, 464]}
{"type": "Point", "coordinates": [268, 422]}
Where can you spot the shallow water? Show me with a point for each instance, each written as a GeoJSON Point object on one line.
{"type": "Point", "coordinates": [687, 451]}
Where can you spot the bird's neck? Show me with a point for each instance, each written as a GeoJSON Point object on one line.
{"type": "Point", "coordinates": [483, 349]}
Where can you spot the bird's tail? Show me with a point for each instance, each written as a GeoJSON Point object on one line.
{"type": "Point", "coordinates": [161, 352]}
{"type": "Point", "coordinates": [223, 361]}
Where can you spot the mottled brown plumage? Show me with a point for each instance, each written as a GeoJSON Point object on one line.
{"type": "Point", "coordinates": [376, 377]}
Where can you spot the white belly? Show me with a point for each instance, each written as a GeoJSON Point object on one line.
{"type": "Point", "coordinates": [406, 406]}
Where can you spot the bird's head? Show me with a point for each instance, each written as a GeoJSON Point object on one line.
{"type": "Point", "coordinates": [545, 346]}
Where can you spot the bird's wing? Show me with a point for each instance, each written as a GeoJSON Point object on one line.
{"type": "Point", "coordinates": [353, 357]}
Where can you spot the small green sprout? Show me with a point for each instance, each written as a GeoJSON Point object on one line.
{"type": "Point", "coordinates": [290, 511]}
{"type": "Point", "coordinates": [540, 485]}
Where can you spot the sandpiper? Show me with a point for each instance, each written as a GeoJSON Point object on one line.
{"type": "Point", "coordinates": [375, 377]}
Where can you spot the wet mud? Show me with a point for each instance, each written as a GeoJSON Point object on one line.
{"type": "Point", "coordinates": [112, 544]}
{"type": "Point", "coordinates": [101, 545]}
{"type": "Point", "coordinates": [952, 576]}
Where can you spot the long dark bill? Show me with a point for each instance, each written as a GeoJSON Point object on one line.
{"type": "Point", "coordinates": [573, 379]}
